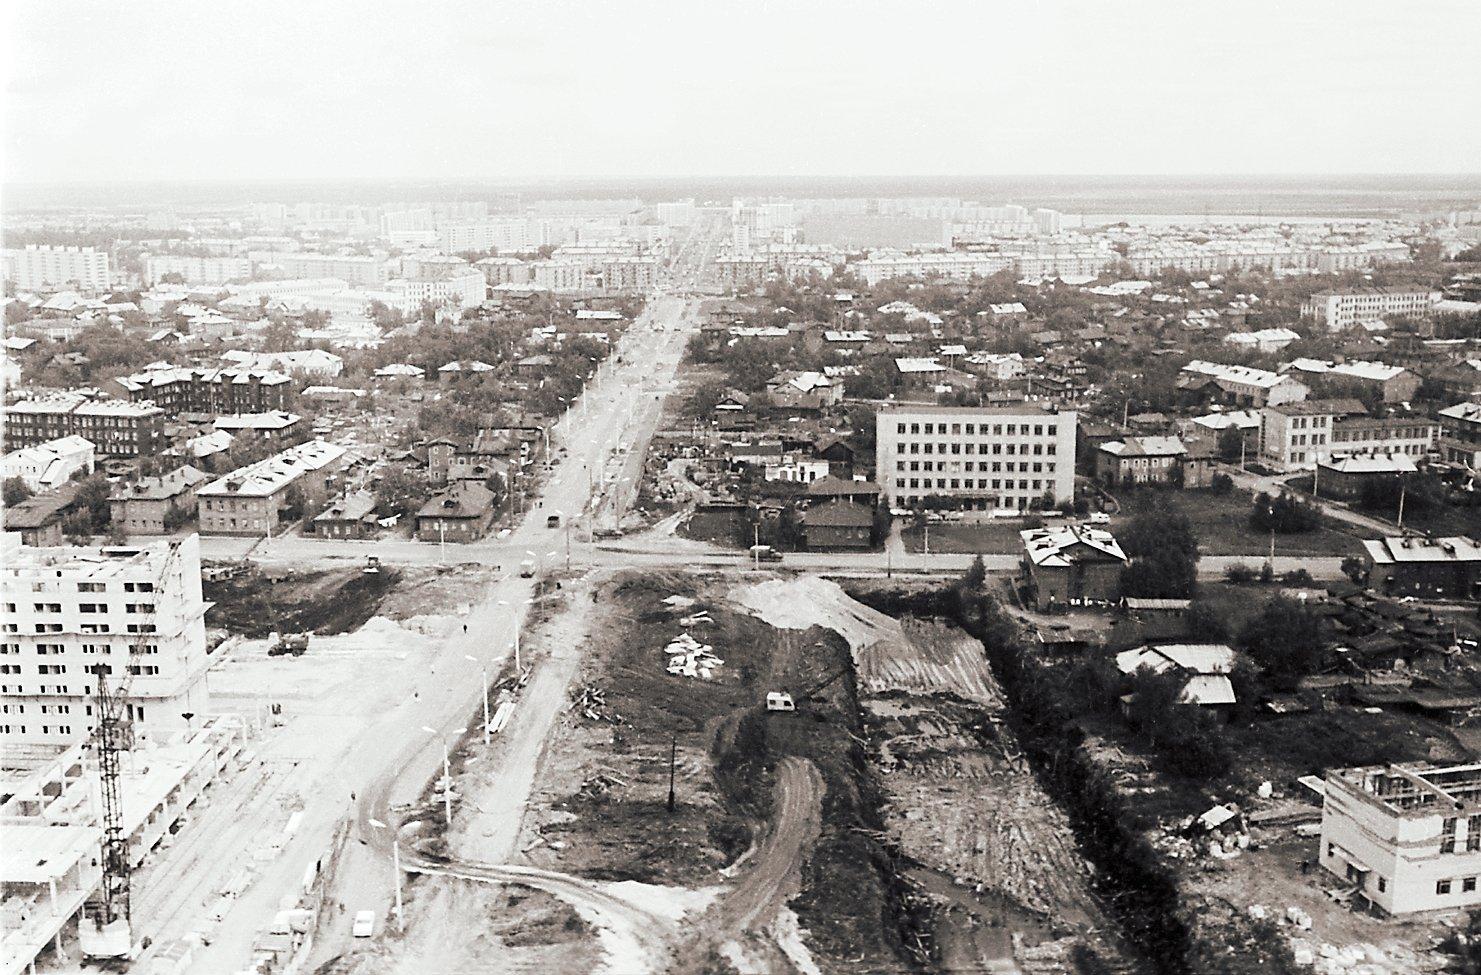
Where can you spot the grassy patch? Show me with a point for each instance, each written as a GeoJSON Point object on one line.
{"type": "Point", "coordinates": [1222, 524]}
{"type": "Point", "coordinates": [999, 538]}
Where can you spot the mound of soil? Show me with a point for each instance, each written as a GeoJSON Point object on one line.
{"type": "Point", "coordinates": [324, 603]}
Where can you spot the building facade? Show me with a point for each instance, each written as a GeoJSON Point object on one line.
{"type": "Point", "coordinates": [179, 389]}
{"type": "Point", "coordinates": [1460, 438]}
{"type": "Point", "coordinates": [196, 270]}
{"type": "Point", "coordinates": [251, 500]}
{"type": "Point", "coordinates": [75, 615]}
{"type": "Point", "coordinates": [983, 458]}
{"type": "Point", "coordinates": [114, 428]}
{"type": "Point", "coordinates": [1408, 837]}
{"type": "Point", "coordinates": [1294, 436]}
{"type": "Point", "coordinates": [1432, 568]}
{"type": "Point", "coordinates": [38, 266]}
{"type": "Point", "coordinates": [1338, 311]}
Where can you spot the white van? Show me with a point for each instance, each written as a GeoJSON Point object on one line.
{"type": "Point", "coordinates": [364, 924]}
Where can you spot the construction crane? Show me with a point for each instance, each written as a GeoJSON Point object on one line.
{"type": "Point", "coordinates": [108, 919]}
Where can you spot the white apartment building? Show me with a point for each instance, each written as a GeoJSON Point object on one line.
{"type": "Point", "coordinates": [505, 270]}
{"type": "Point", "coordinates": [466, 288]}
{"type": "Point", "coordinates": [1048, 222]}
{"type": "Point", "coordinates": [1339, 311]}
{"type": "Point", "coordinates": [988, 458]}
{"type": "Point", "coordinates": [559, 275]}
{"type": "Point", "coordinates": [196, 270]}
{"type": "Point", "coordinates": [951, 267]}
{"type": "Point", "coordinates": [38, 266]}
{"type": "Point", "coordinates": [351, 268]}
{"type": "Point", "coordinates": [1408, 837]}
{"type": "Point", "coordinates": [630, 274]}
{"type": "Point", "coordinates": [74, 614]}
{"type": "Point", "coordinates": [509, 235]}
{"type": "Point", "coordinates": [678, 214]}
{"type": "Point", "coordinates": [1295, 436]}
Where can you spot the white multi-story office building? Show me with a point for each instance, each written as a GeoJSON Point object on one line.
{"type": "Point", "coordinates": [1048, 222]}
{"type": "Point", "coordinates": [73, 615]}
{"type": "Point", "coordinates": [40, 266]}
{"type": "Point", "coordinates": [1408, 836]}
{"type": "Point", "coordinates": [987, 458]}
{"type": "Point", "coordinates": [1339, 311]}
{"type": "Point", "coordinates": [464, 288]}
{"type": "Point", "coordinates": [1295, 436]}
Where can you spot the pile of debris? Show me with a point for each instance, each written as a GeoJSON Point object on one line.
{"type": "Point", "coordinates": [690, 658]}
{"type": "Point", "coordinates": [599, 785]}
{"type": "Point", "coordinates": [590, 701]}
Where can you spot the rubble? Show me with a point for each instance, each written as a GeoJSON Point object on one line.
{"type": "Point", "coordinates": [590, 701]}
{"type": "Point", "coordinates": [690, 658]}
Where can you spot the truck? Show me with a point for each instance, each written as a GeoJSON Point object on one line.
{"type": "Point", "coordinates": [527, 569]}
{"type": "Point", "coordinates": [763, 553]}
{"type": "Point", "coordinates": [552, 521]}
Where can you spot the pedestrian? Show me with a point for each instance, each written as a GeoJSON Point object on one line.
{"type": "Point", "coordinates": [465, 628]}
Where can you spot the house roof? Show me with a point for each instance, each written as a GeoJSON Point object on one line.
{"type": "Point", "coordinates": [466, 499]}
{"type": "Point", "coordinates": [1206, 664]}
{"type": "Point", "coordinates": [353, 507]}
{"type": "Point", "coordinates": [268, 476]}
{"type": "Point", "coordinates": [1145, 447]}
{"type": "Point", "coordinates": [1393, 463]}
{"type": "Point", "coordinates": [834, 487]}
{"type": "Point", "coordinates": [1064, 545]}
{"type": "Point", "coordinates": [271, 420]}
{"type": "Point", "coordinates": [1321, 407]}
{"type": "Point", "coordinates": [838, 514]}
{"type": "Point", "coordinates": [161, 488]}
{"type": "Point", "coordinates": [918, 365]}
{"type": "Point", "coordinates": [1388, 551]}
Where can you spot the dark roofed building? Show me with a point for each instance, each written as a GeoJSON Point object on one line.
{"type": "Point", "coordinates": [838, 525]}
{"type": "Point", "coordinates": [837, 489]}
{"type": "Point", "coordinates": [350, 516]}
{"type": "Point", "coordinates": [462, 513]}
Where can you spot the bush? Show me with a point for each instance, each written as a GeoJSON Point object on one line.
{"type": "Point", "coordinates": [1285, 639]}
{"type": "Point", "coordinates": [1221, 484]}
{"type": "Point", "coordinates": [1240, 573]}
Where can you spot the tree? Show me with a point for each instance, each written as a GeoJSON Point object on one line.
{"type": "Point", "coordinates": [1164, 555]}
{"type": "Point", "coordinates": [1284, 638]}
{"type": "Point", "coordinates": [1205, 623]}
{"type": "Point", "coordinates": [976, 576]}
{"type": "Point", "coordinates": [172, 277]}
{"type": "Point", "coordinates": [1188, 739]}
{"type": "Point", "coordinates": [279, 336]}
{"type": "Point", "coordinates": [1286, 514]}
{"type": "Point", "coordinates": [1355, 569]}
{"type": "Point", "coordinates": [16, 491]}
{"type": "Point", "coordinates": [400, 491]}
{"type": "Point", "coordinates": [384, 316]}
{"type": "Point", "coordinates": [1221, 484]}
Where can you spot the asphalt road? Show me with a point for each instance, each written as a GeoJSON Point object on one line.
{"type": "Point", "coordinates": [397, 758]}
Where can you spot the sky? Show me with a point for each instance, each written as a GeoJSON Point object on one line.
{"type": "Point", "coordinates": [97, 90]}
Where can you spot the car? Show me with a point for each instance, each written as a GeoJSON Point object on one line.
{"type": "Point", "coordinates": [364, 924]}
{"type": "Point", "coordinates": [1099, 518]}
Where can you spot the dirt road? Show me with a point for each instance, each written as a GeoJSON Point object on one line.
{"type": "Point", "coordinates": [741, 923]}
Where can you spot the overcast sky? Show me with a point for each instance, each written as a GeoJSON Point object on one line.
{"type": "Point", "coordinates": [275, 89]}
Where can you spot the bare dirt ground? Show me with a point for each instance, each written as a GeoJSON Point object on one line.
{"type": "Point", "coordinates": [765, 863]}
{"type": "Point", "coordinates": [998, 858]}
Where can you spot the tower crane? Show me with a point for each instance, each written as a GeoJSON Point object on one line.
{"type": "Point", "coordinates": [106, 929]}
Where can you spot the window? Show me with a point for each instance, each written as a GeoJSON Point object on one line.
{"type": "Point", "coordinates": [1382, 884]}
{"type": "Point", "coordinates": [1447, 835]}
{"type": "Point", "coordinates": [1442, 887]}
{"type": "Point", "coordinates": [1473, 833]}
{"type": "Point", "coordinates": [92, 587]}
{"type": "Point", "coordinates": [1468, 885]}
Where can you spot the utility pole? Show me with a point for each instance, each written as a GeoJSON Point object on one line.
{"type": "Point", "coordinates": [673, 755]}
{"type": "Point", "coordinates": [1403, 486]}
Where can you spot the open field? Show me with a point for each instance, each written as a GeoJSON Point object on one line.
{"type": "Point", "coordinates": [999, 537]}
{"type": "Point", "coordinates": [1222, 525]}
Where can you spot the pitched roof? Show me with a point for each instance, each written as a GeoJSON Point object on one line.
{"type": "Point", "coordinates": [1056, 547]}
{"type": "Point", "coordinates": [838, 514]}
{"type": "Point", "coordinates": [466, 499]}
{"type": "Point", "coordinates": [1388, 551]}
{"type": "Point", "coordinates": [834, 487]}
{"type": "Point", "coordinates": [1145, 447]}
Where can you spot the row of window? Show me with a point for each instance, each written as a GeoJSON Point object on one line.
{"type": "Point", "coordinates": [45, 709]}
{"type": "Point", "coordinates": [1443, 887]}
{"type": "Point", "coordinates": [1010, 467]}
{"type": "Point", "coordinates": [966, 484]}
{"type": "Point", "coordinates": [998, 449]}
{"type": "Point", "coordinates": [971, 429]}
{"type": "Point", "coordinates": [46, 729]}
{"type": "Point", "coordinates": [84, 628]}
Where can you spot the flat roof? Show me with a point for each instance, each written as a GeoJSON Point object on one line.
{"type": "Point", "coordinates": [40, 852]}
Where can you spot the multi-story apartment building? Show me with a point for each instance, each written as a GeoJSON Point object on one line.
{"type": "Point", "coordinates": [509, 235]}
{"type": "Point", "coordinates": [1407, 836]}
{"type": "Point", "coordinates": [1460, 435]}
{"type": "Point", "coordinates": [39, 266]}
{"type": "Point", "coordinates": [559, 275]}
{"type": "Point", "coordinates": [1338, 311]}
{"type": "Point", "coordinates": [742, 273]}
{"type": "Point", "coordinates": [1294, 436]}
{"type": "Point", "coordinates": [180, 389]}
{"type": "Point", "coordinates": [249, 500]}
{"type": "Point", "coordinates": [114, 428]}
{"type": "Point", "coordinates": [950, 267]}
{"type": "Point", "coordinates": [678, 214]}
{"type": "Point", "coordinates": [465, 288]}
{"type": "Point", "coordinates": [985, 458]}
{"type": "Point", "coordinates": [505, 270]}
{"type": "Point", "coordinates": [196, 270]}
{"type": "Point", "coordinates": [630, 274]}
{"type": "Point", "coordinates": [354, 269]}
{"type": "Point", "coordinates": [77, 615]}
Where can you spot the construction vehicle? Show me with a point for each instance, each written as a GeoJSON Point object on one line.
{"type": "Point", "coordinates": [105, 929]}
{"type": "Point", "coordinates": [287, 644]}
{"type": "Point", "coordinates": [780, 701]}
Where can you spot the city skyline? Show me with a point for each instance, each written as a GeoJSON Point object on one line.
{"type": "Point", "coordinates": [560, 91]}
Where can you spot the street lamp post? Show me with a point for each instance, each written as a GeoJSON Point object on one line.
{"type": "Point", "coordinates": [483, 672]}
{"type": "Point", "coordinates": [447, 770]}
{"type": "Point", "coordinates": [395, 866]}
